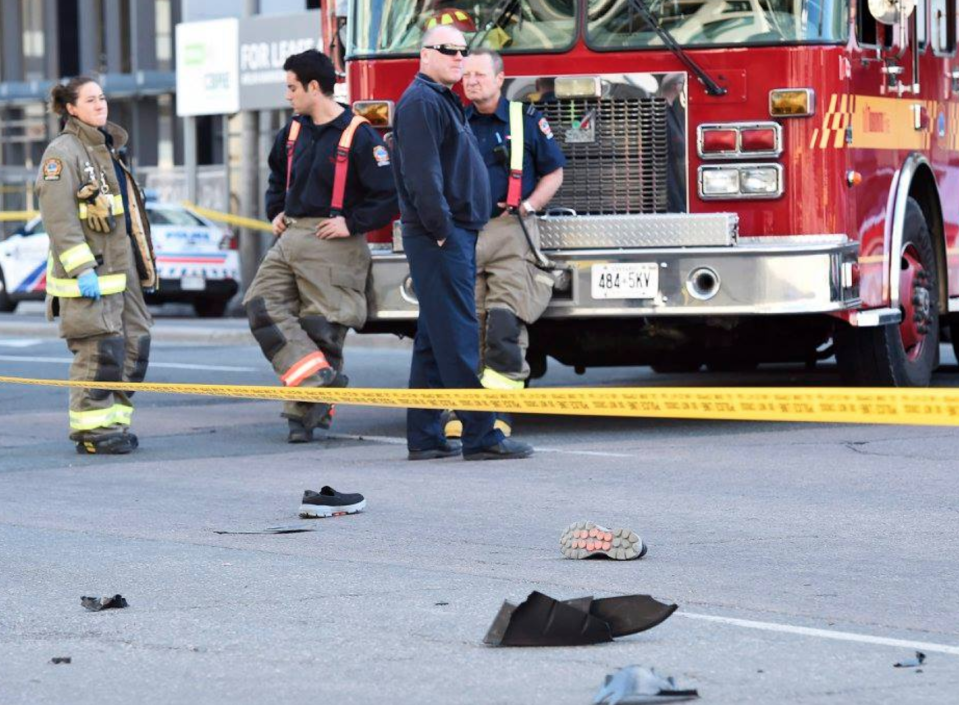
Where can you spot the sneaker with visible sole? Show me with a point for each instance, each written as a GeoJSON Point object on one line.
{"type": "Point", "coordinates": [584, 539]}
{"type": "Point", "coordinates": [449, 449]}
{"type": "Point", "coordinates": [506, 449]}
{"type": "Point", "coordinates": [330, 503]}
{"type": "Point", "coordinates": [108, 444]}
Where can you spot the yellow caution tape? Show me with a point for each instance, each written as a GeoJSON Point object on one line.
{"type": "Point", "coordinates": [18, 215]}
{"type": "Point", "coordinates": [919, 407]}
{"type": "Point", "coordinates": [238, 220]}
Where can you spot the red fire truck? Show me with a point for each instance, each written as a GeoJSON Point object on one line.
{"type": "Point", "coordinates": [748, 181]}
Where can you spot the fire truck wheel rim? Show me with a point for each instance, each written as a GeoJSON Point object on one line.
{"type": "Point", "coordinates": [915, 303]}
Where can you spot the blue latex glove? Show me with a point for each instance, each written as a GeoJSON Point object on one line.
{"type": "Point", "coordinates": [89, 284]}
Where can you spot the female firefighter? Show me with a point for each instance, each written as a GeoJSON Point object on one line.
{"type": "Point", "coordinates": [100, 261]}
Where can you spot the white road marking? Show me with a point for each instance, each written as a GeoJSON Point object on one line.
{"type": "Point", "coordinates": [20, 343]}
{"type": "Point", "coordinates": [827, 634]}
{"type": "Point", "coordinates": [162, 365]}
{"type": "Point", "coordinates": [392, 440]}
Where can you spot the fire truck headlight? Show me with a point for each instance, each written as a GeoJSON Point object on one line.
{"type": "Point", "coordinates": [718, 181]}
{"type": "Point", "coordinates": [792, 102]}
{"type": "Point", "coordinates": [761, 180]}
{"type": "Point", "coordinates": [378, 112]}
{"type": "Point", "coordinates": [578, 87]}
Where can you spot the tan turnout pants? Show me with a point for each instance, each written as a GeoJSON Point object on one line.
{"type": "Point", "coordinates": [306, 294]}
{"type": "Point", "coordinates": [110, 342]}
{"type": "Point", "coordinates": [507, 279]}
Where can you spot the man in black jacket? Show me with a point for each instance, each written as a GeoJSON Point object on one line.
{"type": "Point", "coordinates": [311, 286]}
{"type": "Point", "coordinates": [444, 196]}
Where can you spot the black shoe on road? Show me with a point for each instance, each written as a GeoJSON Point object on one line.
{"type": "Point", "coordinates": [108, 444]}
{"type": "Point", "coordinates": [447, 450]}
{"type": "Point", "coordinates": [506, 449]}
{"type": "Point", "coordinates": [330, 503]}
{"type": "Point", "coordinates": [298, 432]}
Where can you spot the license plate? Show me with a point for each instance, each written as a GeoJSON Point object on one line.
{"type": "Point", "coordinates": [638, 280]}
{"type": "Point", "coordinates": [193, 283]}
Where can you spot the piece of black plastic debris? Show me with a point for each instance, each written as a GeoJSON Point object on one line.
{"type": "Point", "coordinates": [95, 604]}
{"type": "Point", "coordinates": [441, 604]}
{"type": "Point", "coordinates": [288, 529]}
{"type": "Point", "coordinates": [543, 621]}
{"type": "Point", "coordinates": [911, 662]}
{"type": "Point", "coordinates": [61, 659]}
{"type": "Point", "coordinates": [634, 685]}
{"type": "Point", "coordinates": [627, 614]}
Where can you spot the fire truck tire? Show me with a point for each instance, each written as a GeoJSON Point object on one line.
{"type": "Point", "coordinates": [904, 354]}
{"type": "Point", "coordinates": [7, 304]}
{"type": "Point", "coordinates": [681, 366]}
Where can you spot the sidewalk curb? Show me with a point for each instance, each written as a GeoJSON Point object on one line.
{"type": "Point", "coordinates": [172, 333]}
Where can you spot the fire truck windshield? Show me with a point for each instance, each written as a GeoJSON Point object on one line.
{"type": "Point", "coordinates": [394, 27]}
{"type": "Point", "coordinates": [720, 22]}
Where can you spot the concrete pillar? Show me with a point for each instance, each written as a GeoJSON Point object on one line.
{"type": "Point", "coordinates": [89, 33]}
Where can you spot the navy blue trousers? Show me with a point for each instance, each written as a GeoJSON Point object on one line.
{"type": "Point", "coordinates": [446, 349]}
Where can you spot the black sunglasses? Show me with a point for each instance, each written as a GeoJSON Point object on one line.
{"type": "Point", "coordinates": [449, 50]}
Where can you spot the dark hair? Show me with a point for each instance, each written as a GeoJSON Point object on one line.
{"type": "Point", "coordinates": [66, 93]}
{"type": "Point", "coordinates": [312, 65]}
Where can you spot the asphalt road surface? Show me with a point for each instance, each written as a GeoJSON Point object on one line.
{"type": "Point", "coordinates": [806, 559]}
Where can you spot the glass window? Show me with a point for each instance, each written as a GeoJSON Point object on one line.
{"type": "Point", "coordinates": [390, 27]}
{"type": "Point", "coordinates": [172, 216]}
{"type": "Point", "coordinates": [719, 22]}
{"type": "Point", "coordinates": [944, 26]}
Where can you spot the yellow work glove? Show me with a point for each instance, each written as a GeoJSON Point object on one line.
{"type": "Point", "coordinates": [99, 209]}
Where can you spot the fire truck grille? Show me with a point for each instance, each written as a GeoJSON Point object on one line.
{"type": "Point", "coordinates": [616, 165]}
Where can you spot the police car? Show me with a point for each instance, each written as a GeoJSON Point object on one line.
{"type": "Point", "coordinates": [196, 260]}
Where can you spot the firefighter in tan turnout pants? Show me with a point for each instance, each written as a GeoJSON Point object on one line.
{"type": "Point", "coordinates": [330, 182]}
{"type": "Point", "coordinates": [101, 259]}
{"type": "Point", "coordinates": [525, 167]}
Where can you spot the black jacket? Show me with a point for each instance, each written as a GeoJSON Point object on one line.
{"type": "Point", "coordinates": [370, 199]}
{"type": "Point", "coordinates": [441, 178]}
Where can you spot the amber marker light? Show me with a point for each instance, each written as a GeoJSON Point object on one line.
{"type": "Point", "coordinates": [792, 102]}
{"type": "Point", "coordinates": [379, 113]}
{"type": "Point", "coordinates": [853, 178]}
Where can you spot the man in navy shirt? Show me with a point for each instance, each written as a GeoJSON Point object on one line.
{"type": "Point", "coordinates": [311, 286]}
{"type": "Point", "coordinates": [511, 291]}
{"type": "Point", "coordinates": [444, 198]}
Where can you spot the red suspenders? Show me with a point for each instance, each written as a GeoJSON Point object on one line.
{"type": "Point", "coordinates": [291, 138]}
{"type": "Point", "coordinates": [342, 161]}
{"type": "Point", "coordinates": [342, 165]}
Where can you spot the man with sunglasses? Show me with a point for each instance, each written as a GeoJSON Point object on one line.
{"type": "Point", "coordinates": [444, 196]}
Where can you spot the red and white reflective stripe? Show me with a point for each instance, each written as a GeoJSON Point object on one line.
{"type": "Point", "coordinates": [311, 364]}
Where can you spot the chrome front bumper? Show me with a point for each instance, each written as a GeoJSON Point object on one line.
{"type": "Point", "coordinates": [758, 276]}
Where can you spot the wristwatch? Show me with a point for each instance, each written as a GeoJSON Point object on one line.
{"type": "Point", "coordinates": [529, 207]}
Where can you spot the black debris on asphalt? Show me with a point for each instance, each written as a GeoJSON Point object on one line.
{"type": "Point", "coordinates": [911, 662]}
{"type": "Point", "coordinates": [96, 604]}
{"type": "Point", "coordinates": [541, 620]}
{"type": "Point", "coordinates": [61, 659]}
{"type": "Point", "coordinates": [634, 685]}
{"type": "Point", "coordinates": [288, 529]}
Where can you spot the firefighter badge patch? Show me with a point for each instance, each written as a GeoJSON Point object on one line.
{"type": "Point", "coordinates": [381, 155]}
{"type": "Point", "coordinates": [545, 128]}
{"type": "Point", "coordinates": [51, 169]}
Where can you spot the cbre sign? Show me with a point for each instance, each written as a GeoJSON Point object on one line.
{"type": "Point", "coordinates": [224, 66]}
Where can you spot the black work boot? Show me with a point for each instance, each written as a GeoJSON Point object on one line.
{"type": "Point", "coordinates": [108, 444]}
{"type": "Point", "coordinates": [299, 433]}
